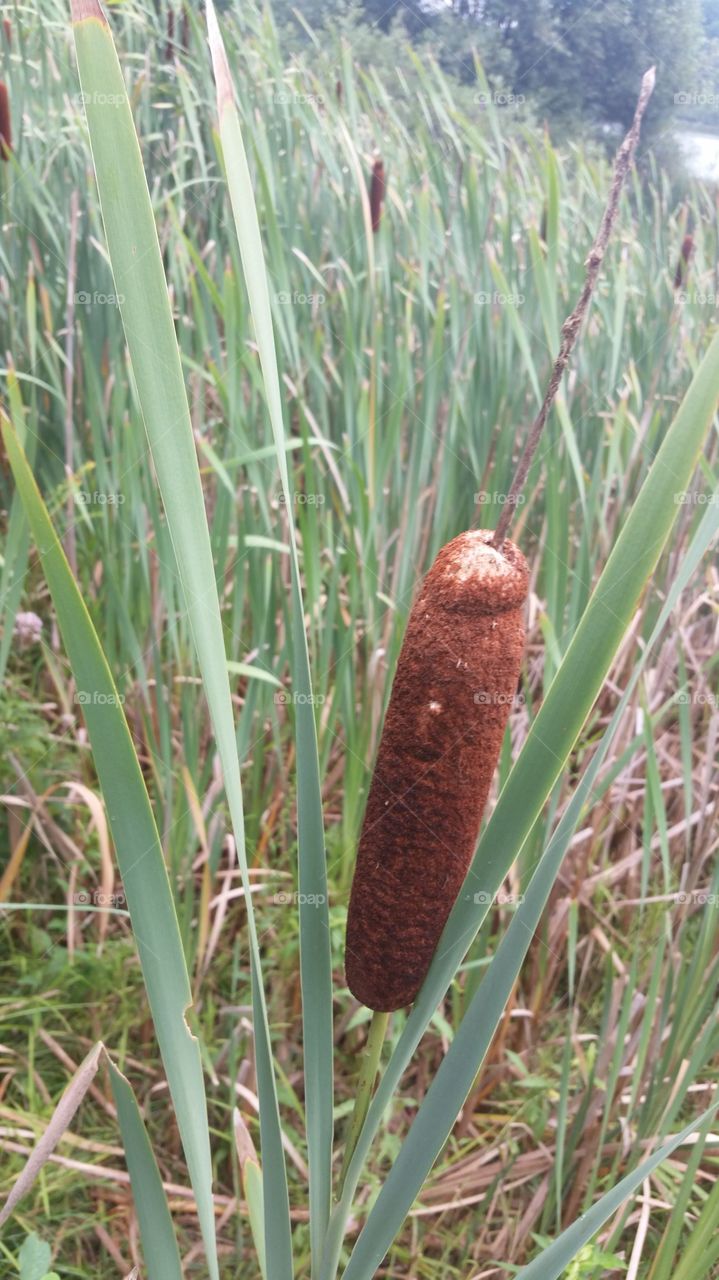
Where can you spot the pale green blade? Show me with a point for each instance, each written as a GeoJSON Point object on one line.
{"type": "Point", "coordinates": [142, 866]}
{"type": "Point", "coordinates": [315, 956]}
{"type": "Point", "coordinates": [17, 542]}
{"type": "Point", "coordinates": [549, 743]}
{"type": "Point", "coordinates": [159, 1245]}
{"type": "Point", "coordinates": [147, 319]}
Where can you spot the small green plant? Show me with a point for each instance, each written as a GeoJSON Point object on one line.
{"type": "Point", "coordinates": [34, 1260]}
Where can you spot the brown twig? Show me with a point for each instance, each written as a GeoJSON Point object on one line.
{"type": "Point", "coordinates": [573, 323]}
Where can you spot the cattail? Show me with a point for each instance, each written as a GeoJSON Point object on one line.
{"type": "Point", "coordinates": [169, 47]}
{"type": "Point", "coordinates": [5, 127]}
{"type": "Point", "coordinates": [7, 28]}
{"type": "Point", "coordinates": [338, 91]}
{"type": "Point", "coordinates": [376, 194]}
{"type": "Point", "coordinates": [454, 688]}
{"type": "Point", "coordinates": [185, 34]}
{"type": "Point", "coordinates": [685, 254]}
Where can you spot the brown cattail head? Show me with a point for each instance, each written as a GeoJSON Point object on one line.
{"type": "Point", "coordinates": [376, 194]}
{"type": "Point", "coordinates": [338, 90]}
{"type": "Point", "coordinates": [5, 127]}
{"type": "Point", "coordinates": [7, 28]}
{"type": "Point", "coordinates": [685, 254]}
{"type": "Point", "coordinates": [455, 685]}
{"type": "Point", "coordinates": [170, 46]}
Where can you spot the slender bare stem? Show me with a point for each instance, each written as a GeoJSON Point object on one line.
{"type": "Point", "coordinates": [365, 1087]}
{"type": "Point", "coordinates": [573, 323]}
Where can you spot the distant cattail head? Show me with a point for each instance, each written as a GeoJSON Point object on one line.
{"type": "Point", "coordinates": [376, 194]}
{"type": "Point", "coordinates": [170, 46]}
{"type": "Point", "coordinates": [5, 126]}
{"type": "Point", "coordinates": [455, 686]}
{"type": "Point", "coordinates": [7, 28]}
{"type": "Point", "coordinates": [685, 254]}
{"type": "Point", "coordinates": [338, 90]}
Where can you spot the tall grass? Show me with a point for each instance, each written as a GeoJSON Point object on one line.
{"type": "Point", "coordinates": [408, 359]}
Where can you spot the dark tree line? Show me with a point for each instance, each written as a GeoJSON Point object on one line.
{"type": "Point", "coordinates": [573, 60]}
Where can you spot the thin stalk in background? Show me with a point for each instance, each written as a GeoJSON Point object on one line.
{"type": "Point", "coordinates": [573, 323]}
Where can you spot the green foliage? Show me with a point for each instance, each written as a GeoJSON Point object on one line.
{"type": "Point", "coordinates": [584, 1266]}
{"type": "Point", "coordinates": [34, 1260]}
{"type": "Point", "coordinates": [575, 63]}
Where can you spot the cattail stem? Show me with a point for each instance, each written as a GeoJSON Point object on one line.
{"type": "Point", "coordinates": [365, 1088]}
{"type": "Point", "coordinates": [573, 323]}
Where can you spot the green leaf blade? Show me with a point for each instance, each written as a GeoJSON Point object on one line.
{"type": "Point", "coordinates": [137, 843]}
{"type": "Point", "coordinates": [159, 1243]}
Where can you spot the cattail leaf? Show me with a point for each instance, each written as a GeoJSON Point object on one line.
{"type": "Point", "coordinates": [17, 541]}
{"type": "Point", "coordinates": [315, 957]}
{"type": "Point", "coordinates": [137, 843]}
{"type": "Point", "coordinates": [251, 1175]}
{"type": "Point", "coordinates": [536, 771]}
{"type": "Point", "coordinates": [518, 329]}
{"type": "Point", "coordinates": [149, 330]}
{"type": "Point", "coordinates": [159, 1244]}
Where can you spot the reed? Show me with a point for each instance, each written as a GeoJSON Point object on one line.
{"type": "Point", "coordinates": [376, 194]}
{"type": "Point", "coordinates": [5, 123]}
{"type": "Point", "coordinates": [682, 267]}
